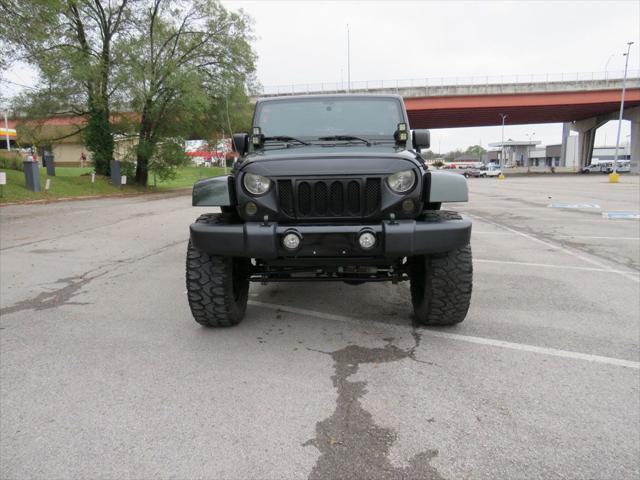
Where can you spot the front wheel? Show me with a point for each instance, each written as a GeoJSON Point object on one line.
{"type": "Point", "coordinates": [217, 286]}
{"type": "Point", "coordinates": [441, 285]}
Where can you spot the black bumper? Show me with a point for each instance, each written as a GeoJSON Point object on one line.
{"type": "Point", "coordinates": [400, 238]}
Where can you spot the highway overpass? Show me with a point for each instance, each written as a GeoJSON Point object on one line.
{"type": "Point", "coordinates": [581, 101]}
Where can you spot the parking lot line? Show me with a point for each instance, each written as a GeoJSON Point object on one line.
{"type": "Point", "coordinates": [585, 237]}
{"type": "Point", "coordinates": [553, 352]}
{"type": "Point", "coordinates": [635, 239]}
{"type": "Point", "coordinates": [549, 265]}
{"type": "Point", "coordinates": [628, 275]}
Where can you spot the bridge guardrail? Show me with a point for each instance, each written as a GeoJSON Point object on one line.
{"type": "Point", "coordinates": [460, 81]}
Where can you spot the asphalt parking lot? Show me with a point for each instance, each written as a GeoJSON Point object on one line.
{"type": "Point", "coordinates": [105, 375]}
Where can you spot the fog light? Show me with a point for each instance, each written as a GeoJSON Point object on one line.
{"type": "Point", "coordinates": [291, 241]}
{"type": "Point", "coordinates": [367, 240]}
{"type": "Point", "coordinates": [250, 209]}
{"type": "Point", "coordinates": [408, 205]}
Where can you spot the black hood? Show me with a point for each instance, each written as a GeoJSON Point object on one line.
{"type": "Point", "coordinates": [329, 160]}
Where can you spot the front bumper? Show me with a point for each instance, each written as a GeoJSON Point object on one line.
{"type": "Point", "coordinates": [394, 239]}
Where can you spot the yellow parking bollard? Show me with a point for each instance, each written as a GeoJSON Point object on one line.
{"type": "Point", "coordinates": [614, 177]}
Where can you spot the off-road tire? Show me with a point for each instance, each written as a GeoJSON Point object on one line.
{"type": "Point", "coordinates": [441, 283]}
{"type": "Point", "coordinates": [217, 286]}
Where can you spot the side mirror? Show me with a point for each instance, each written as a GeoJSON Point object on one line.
{"type": "Point", "coordinates": [241, 143]}
{"type": "Point", "coordinates": [421, 139]}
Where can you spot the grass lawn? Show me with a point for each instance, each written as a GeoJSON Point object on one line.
{"type": "Point", "coordinates": [187, 176]}
{"type": "Point", "coordinates": [76, 182]}
{"type": "Point", "coordinates": [68, 182]}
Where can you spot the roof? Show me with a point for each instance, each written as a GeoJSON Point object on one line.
{"type": "Point", "coordinates": [467, 158]}
{"type": "Point", "coordinates": [328, 95]}
{"type": "Point", "coordinates": [516, 143]}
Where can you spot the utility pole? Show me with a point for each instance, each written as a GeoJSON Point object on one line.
{"type": "Point", "coordinates": [501, 176]}
{"type": "Point", "coordinates": [6, 131]}
{"type": "Point", "coordinates": [348, 60]}
{"type": "Point", "coordinates": [606, 65]}
{"type": "Point", "coordinates": [530, 135]}
{"type": "Point", "coordinates": [613, 177]}
{"type": "Point", "coordinates": [504, 116]}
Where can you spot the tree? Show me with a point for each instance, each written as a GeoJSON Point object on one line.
{"type": "Point", "coordinates": [476, 150]}
{"type": "Point", "coordinates": [429, 154]}
{"type": "Point", "coordinates": [72, 44]}
{"type": "Point", "coordinates": [450, 156]}
{"type": "Point", "coordinates": [184, 61]}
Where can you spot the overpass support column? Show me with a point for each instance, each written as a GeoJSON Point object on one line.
{"type": "Point", "coordinates": [566, 128]}
{"type": "Point", "coordinates": [635, 147]}
{"type": "Point", "coordinates": [586, 141]}
{"type": "Point", "coordinates": [586, 138]}
{"type": "Point", "coordinates": [633, 114]}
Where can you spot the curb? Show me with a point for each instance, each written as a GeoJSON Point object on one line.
{"type": "Point", "coordinates": [44, 201]}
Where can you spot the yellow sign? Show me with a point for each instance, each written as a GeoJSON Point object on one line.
{"type": "Point", "coordinates": [8, 131]}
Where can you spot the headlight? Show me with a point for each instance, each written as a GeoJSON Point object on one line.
{"type": "Point", "coordinates": [256, 184]}
{"type": "Point", "coordinates": [401, 182]}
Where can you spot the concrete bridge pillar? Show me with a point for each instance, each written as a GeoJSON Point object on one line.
{"type": "Point", "coordinates": [566, 129]}
{"type": "Point", "coordinates": [586, 138]}
{"type": "Point", "coordinates": [633, 114]}
{"type": "Point", "coordinates": [635, 147]}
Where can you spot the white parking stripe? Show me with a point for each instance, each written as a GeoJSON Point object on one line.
{"type": "Point", "coordinates": [553, 352]}
{"type": "Point", "coordinates": [589, 237]}
{"type": "Point", "coordinates": [628, 275]}
{"type": "Point", "coordinates": [549, 265]}
{"type": "Point", "coordinates": [635, 239]}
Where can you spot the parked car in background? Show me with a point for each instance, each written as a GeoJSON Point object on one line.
{"type": "Point", "coordinates": [595, 167]}
{"type": "Point", "coordinates": [491, 170]}
{"type": "Point", "coordinates": [624, 166]}
{"type": "Point", "coordinates": [454, 168]}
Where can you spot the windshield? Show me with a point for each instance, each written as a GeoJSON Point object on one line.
{"type": "Point", "coordinates": [372, 118]}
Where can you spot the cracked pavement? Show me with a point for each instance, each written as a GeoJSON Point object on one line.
{"type": "Point", "coordinates": [103, 373]}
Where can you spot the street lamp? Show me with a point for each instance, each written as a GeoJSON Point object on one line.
{"type": "Point", "coordinates": [606, 78]}
{"type": "Point", "coordinates": [504, 116]}
{"type": "Point", "coordinates": [530, 135]}
{"type": "Point", "coordinates": [613, 176]}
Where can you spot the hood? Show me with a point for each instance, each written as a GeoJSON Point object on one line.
{"type": "Point", "coordinates": [329, 160]}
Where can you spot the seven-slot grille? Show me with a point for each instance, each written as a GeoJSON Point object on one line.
{"type": "Point", "coordinates": [329, 198]}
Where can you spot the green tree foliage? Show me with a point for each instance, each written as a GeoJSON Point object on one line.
{"type": "Point", "coordinates": [163, 69]}
{"type": "Point", "coordinates": [476, 150]}
{"type": "Point", "coordinates": [167, 157]}
{"type": "Point", "coordinates": [73, 46]}
{"type": "Point", "coordinates": [428, 154]}
{"type": "Point", "coordinates": [187, 64]}
{"type": "Point", "coordinates": [450, 156]}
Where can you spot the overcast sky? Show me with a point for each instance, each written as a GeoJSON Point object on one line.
{"type": "Point", "coordinates": [302, 42]}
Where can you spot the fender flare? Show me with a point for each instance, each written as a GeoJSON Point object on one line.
{"type": "Point", "coordinates": [213, 192]}
{"type": "Point", "coordinates": [448, 187]}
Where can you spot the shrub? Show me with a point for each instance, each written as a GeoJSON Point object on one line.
{"type": "Point", "coordinates": [11, 161]}
{"type": "Point", "coordinates": [167, 158]}
{"type": "Point", "coordinates": [129, 169]}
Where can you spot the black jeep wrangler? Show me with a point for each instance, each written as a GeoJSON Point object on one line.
{"type": "Point", "coordinates": [330, 188]}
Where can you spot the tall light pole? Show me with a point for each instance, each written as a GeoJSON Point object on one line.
{"type": "Point", "coordinates": [605, 67]}
{"type": "Point", "coordinates": [530, 135]}
{"type": "Point", "coordinates": [504, 116]}
{"type": "Point", "coordinates": [614, 175]}
{"type": "Point", "coordinates": [348, 60]}
{"type": "Point", "coordinates": [6, 131]}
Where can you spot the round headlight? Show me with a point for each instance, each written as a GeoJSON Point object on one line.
{"type": "Point", "coordinates": [256, 184]}
{"type": "Point", "coordinates": [401, 182]}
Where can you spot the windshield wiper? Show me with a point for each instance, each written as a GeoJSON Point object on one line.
{"type": "Point", "coordinates": [283, 138]}
{"type": "Point", "coordinates": [346, 138]}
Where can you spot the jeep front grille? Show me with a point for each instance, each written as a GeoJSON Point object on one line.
{"type": "Point", "coordinates": [329, 198]}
